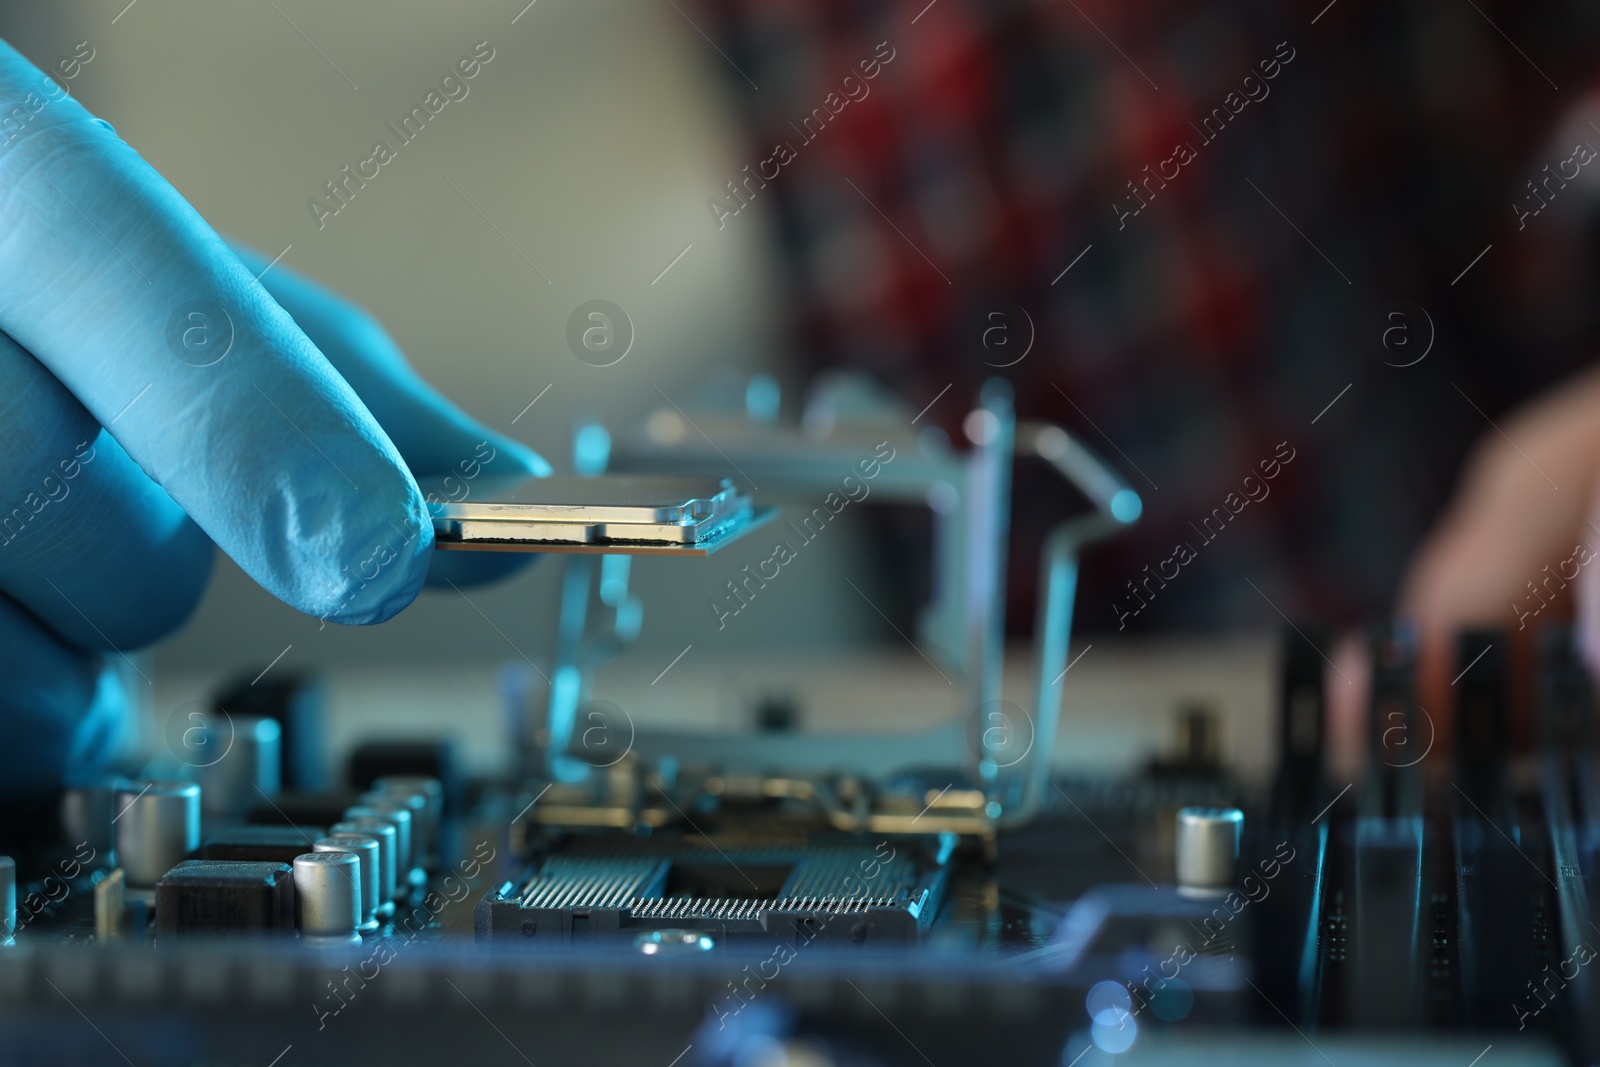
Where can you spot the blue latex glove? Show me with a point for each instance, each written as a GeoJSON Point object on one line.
{"type": "Point", "coordinates": [155, 398]}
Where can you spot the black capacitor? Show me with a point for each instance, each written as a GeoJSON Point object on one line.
{"type": "Point", "coordinates": [222, 896]}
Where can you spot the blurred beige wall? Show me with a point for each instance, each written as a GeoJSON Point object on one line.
{"type": "Point", "coordinates": [592, 140]}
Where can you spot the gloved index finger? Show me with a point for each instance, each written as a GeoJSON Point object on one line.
{"type": "Point", "coordinates": [116, 284]}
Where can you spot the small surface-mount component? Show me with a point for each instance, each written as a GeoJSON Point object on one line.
{"type": "Point", "coordinates": [608, 514]}
{"type": "Point", "coordinates": [674, 943]}
{"type": "Point", "coordinates": [1208, 849]}
{"type": "Point", "coordinates": [109, 901]}
{"type": "Point", "coordinates": [260, 844]}
{"type": "Point", "coordinates": [219, 896]}
{"type": "Point", "coordinates": [157, 824]}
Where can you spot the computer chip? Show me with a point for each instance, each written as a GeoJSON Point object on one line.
{"type": "Point", "coordinates": [627, 515]}
{"type": "Point", "coordinates": [835, 886]}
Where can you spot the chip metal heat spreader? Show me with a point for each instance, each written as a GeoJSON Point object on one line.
{"type": "Point", "coordinates": [608, 514]}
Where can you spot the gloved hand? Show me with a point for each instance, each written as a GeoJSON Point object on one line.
{"type": "Point", "coordinates": [156, 398]}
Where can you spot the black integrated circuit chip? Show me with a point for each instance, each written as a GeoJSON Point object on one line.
{"type": "Point", "coordinates": [833, 886]}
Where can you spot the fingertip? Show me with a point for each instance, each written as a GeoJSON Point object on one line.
{"type": "Point", "coordinates": [364, 566]}
{"type": "Point", "coordinates": [368, 603]}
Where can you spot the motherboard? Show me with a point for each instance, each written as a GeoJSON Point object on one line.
{"type": "Point", "coordinates": [789, 894]}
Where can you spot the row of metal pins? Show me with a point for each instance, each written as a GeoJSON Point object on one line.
{"type": "Point", "coordinates": [679, 907]}
{"type": "Point", "coordinates": [560, 891]}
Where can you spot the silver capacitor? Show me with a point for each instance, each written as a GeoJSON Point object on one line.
{"type": "Point", "coordinates": [432, 794]}
{"type": "Point", "coordinates": [384, 832]}
{"type": "Point", "coordinates": [327, 894]}
{"type": "Point", "coordinates": [365, 848]}
{"type": "Point", "coordinates": [86, 811]}
{"type": "Point", "coordinates": [8, 899]}
{"type": "Point", "coordinates": [417, 805]}
{"type": "Point", "coordinates": [400, 815]}
{"type": "Point", "coordinates": [157, 825]}
{"type": "Point", "coordinates": [1208, 849]}
{"type": "Point", "coordinates": [247, 769]}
